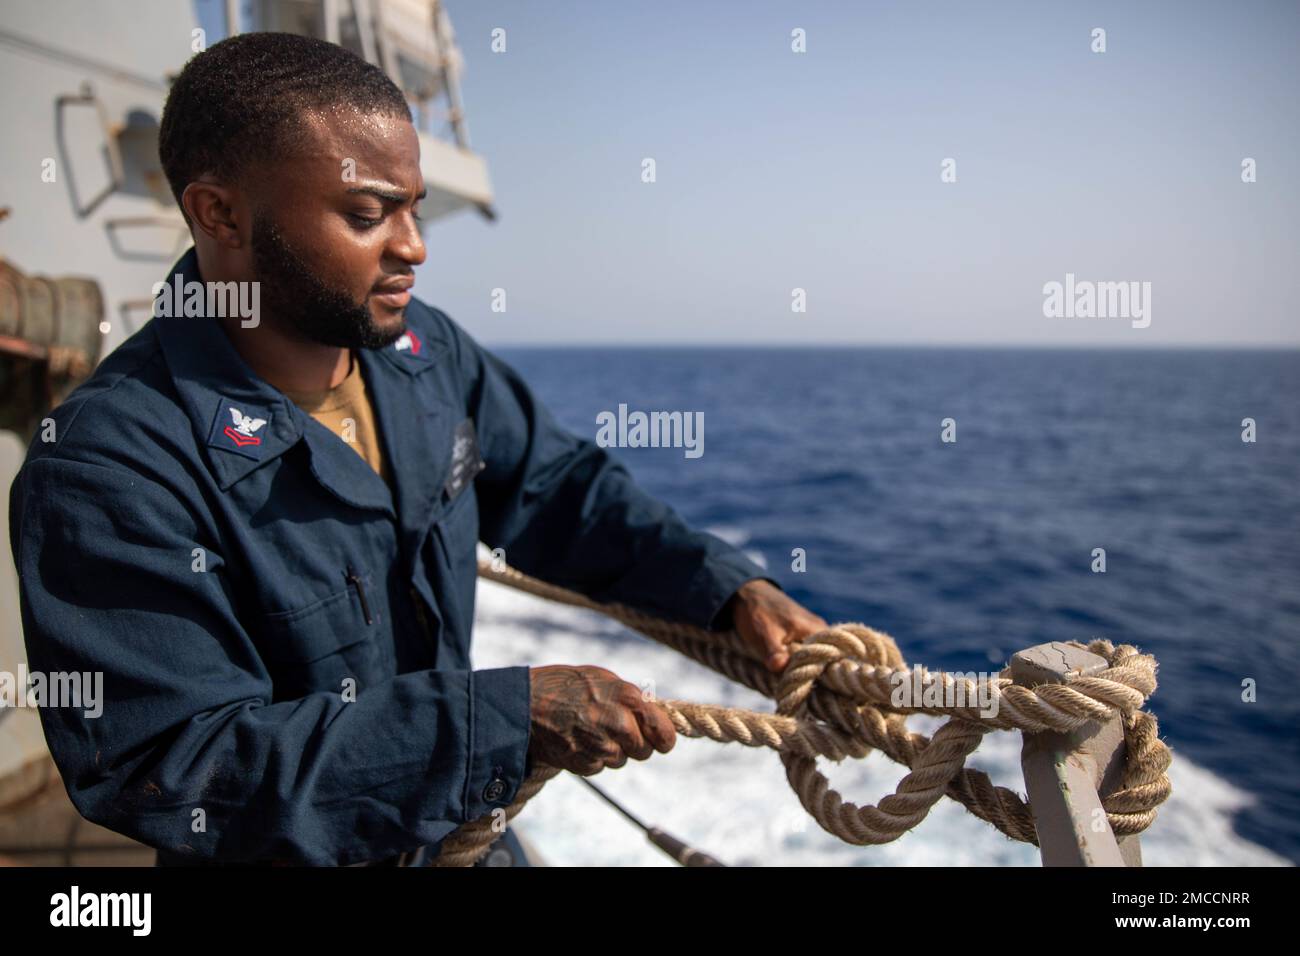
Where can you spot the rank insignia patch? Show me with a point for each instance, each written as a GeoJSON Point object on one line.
{"type": "Point", "coordinates": [241, 428]}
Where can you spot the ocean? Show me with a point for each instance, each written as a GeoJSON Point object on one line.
{"type": "Point", "coordinates": [964, 551]}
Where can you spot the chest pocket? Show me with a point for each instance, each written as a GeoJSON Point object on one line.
{"type": "Point", "coordinates": [321, 645]}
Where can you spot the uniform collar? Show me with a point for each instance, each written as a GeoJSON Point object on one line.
{"type": "Point", "coordinates": [212, 378]}
{"type": "Point", "coordinates": [243, 421]}
{"type": "Point", "coordinates": [418, 350]}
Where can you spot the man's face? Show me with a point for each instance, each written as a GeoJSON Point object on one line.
{"type": "Point", "coordinates": [335, 235]}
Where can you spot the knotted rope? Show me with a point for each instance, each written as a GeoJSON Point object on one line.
{"type": "Point", "coordinates": [834, 700]}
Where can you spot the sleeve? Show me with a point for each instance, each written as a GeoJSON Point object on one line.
{"type": "Point", "coordinates": [566, 511]}
{"type": "Point", "coordinates": [182, 748]}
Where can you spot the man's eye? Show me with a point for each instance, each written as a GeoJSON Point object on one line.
{"type": "Point", "coordinates": [364, 221]}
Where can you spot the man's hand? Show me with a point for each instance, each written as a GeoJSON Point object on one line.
{"type": "Point", "coordinates": [768, 619]}
{"type": "Point", "coordinates": [585, 719]}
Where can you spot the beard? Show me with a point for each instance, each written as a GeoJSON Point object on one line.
{"type": "Point", "coordinates": [301, 301]}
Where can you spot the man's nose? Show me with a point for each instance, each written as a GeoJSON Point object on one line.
{"type": "Point", "coordinates": [407, 245]}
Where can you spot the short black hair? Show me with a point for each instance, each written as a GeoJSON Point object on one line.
{"type": "Point", "coordinates": [247, 98]}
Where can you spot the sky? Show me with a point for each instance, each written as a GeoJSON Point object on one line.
{"type": "Point", "coordinates": [821, 171]}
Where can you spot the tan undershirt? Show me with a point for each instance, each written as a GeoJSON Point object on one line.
{"type": "Point", "coordinates": [345, 410]}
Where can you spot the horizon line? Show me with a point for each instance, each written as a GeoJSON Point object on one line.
{"type": "Point", "coordinates": [1019, 346]}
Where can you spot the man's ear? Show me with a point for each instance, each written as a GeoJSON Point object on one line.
{"type": "Point", "coordinates": [211, 208]}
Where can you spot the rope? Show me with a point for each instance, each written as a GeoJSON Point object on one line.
{"type": "Point", "coordinates": [834, 700]}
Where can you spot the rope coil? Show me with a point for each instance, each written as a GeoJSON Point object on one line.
{"type": "Point", "coordinates": [834, 700]}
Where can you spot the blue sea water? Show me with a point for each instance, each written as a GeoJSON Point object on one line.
{"type": "Point", "coordinates": [968, 551]}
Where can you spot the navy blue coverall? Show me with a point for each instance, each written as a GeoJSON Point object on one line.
{"type": "Point", "coordinates": [232, 583]}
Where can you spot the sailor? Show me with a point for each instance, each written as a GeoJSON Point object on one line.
{"type": "Point", "coordinates": [262, 530]}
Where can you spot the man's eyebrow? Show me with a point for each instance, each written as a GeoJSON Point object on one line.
{"type": "Point", "coordinates": [387, 192]}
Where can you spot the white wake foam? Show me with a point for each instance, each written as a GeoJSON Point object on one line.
{"type": "Point", "coordinates": [734, 802]}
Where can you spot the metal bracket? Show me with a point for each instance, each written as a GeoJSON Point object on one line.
{"type": "Point", "coordinates": [112, 152]}
{"type": "Point", "coordinates": [1066, 773]}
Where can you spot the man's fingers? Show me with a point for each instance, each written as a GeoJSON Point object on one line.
{"type": "Point", "coordinates": [630, 739]}
{"type": "Point", "coordinates": [656, 727]}
{"type": "Point", "coordinates": [771, 642]}
{"type": "Point", "coordinates": [774, 638]}
{"type": "Point", "coordinates": [614, 761]}
{"type": "Point", "coordinates": [806, 627]}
